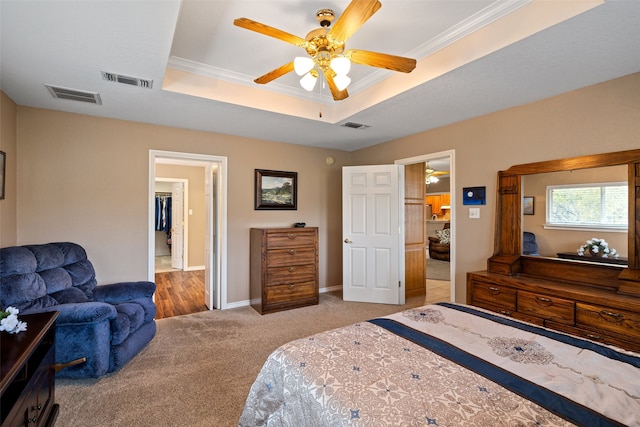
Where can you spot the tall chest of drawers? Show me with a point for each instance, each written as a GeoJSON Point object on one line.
{"type": "Point", "coordinates": [284, 268]}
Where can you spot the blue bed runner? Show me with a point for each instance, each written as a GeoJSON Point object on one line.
{"type": "Point", "coordinates": [551, 401]}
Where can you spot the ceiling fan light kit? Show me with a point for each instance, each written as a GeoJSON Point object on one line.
{"type": "Point", "coordinates": [308, 81]}
{"type": "Point", "coordinates": [325, 47]}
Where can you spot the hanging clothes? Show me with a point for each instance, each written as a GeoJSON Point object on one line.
{"type": "Point", "coordinates": [163, 213]}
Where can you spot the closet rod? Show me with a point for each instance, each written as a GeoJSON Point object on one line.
{"type": "Point", "coordinates": [163, 194]}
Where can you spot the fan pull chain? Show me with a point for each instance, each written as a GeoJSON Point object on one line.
{"type": "Point", "coordinates": [321, 95]}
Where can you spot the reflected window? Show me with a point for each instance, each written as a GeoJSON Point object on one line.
{"type": "Point", "coordinates": [603, 206]}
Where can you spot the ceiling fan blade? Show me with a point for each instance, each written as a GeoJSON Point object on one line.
{"type": "Point", "coordinates": [338, 95]}
{"type": "Point", "coordinates": [381, 60]}
{"type": "Point", "coordinates": [269, 31]}
{"type": "Point", "coordinates": [272, 75]}
{"type": "Point", "coordinates": [353, 17]}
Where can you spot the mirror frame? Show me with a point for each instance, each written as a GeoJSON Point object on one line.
{"type": "Point", "coordinates": [507, 257]}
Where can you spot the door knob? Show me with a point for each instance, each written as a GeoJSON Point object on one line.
{"type": "Point", "coordinates": [347, 240]}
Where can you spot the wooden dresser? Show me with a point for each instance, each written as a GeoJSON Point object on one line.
{"type": "Point", "coordinates": [595, 300]}
{"type": "Point", "coordinates": [589, 312]}
{"type": "Point", "coordinates": [27, 373]}
{"type": "Point", "coordinates": [284, 268]}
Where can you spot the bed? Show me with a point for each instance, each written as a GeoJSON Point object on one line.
{"type": "Point", "coordinates": [445, 365]}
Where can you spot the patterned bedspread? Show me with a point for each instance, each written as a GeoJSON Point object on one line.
{"type": "Point", "coordinates": [445, 365]}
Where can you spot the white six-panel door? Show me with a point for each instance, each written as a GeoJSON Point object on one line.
{"type": "Point", "coordinates": [373, 263]}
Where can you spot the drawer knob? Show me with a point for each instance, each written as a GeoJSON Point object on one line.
{"type": "Point", "coordinates": [505, 312]}
{"type": "Point", "coordinates": [36, 407]}
{"type": "Point", "coordinates": [594, 337]}
{"type": "Point", "coordinates": [291, 251]}
{"type": "Point", "coordinates": [291, 285]}
{"type": "Point", "coordinates": [609, 315]}
{"type": "Point", "coordinates": [494, 290]}
{"type": "Point", "coordinates": [291, 236]}
{"type": "Point", "coordinates": [292, 269]}
{"type": "Point", "coordinates": [544, 300]}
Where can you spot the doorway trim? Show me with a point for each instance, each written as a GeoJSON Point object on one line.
{"type": "Point", "coordinates": [218, 244]}
{"type": "Point", "coordinates": [452, 185]}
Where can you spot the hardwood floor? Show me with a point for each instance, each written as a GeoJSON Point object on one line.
{"type": "Point", "coordinates": [179, 292]}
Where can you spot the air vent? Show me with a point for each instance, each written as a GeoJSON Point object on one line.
{"type": "Point", "coordinates": [355, 125]}
{"type": "Point", "coordinates": [74, 94]}
{"type": "Point", "coordinates": [127, 80]}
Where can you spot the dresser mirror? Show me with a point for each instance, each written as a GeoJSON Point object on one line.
{"type": "Point", "coordinates": [508, 243]}
{"type": "Point", "coordinates": [554, 235]}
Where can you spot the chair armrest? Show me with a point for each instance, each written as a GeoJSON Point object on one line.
{"type": "Point", "coordinates": [124, 291]}
{"type": "Point", "coordinates": [83, 312]}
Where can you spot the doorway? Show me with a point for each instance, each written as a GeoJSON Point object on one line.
{"type": "Point", "coordinates": [215, 214]}
{"type": "Point", "coordinates": [440, 277]}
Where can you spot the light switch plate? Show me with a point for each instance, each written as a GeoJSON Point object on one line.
{"type": "Point", "coordinates": [474, 212]}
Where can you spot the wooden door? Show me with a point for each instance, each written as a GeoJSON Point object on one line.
{"type": "Point", "coordinates": [414, 230]}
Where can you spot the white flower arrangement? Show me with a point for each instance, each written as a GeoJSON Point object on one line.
{"type": "Point", "coordinates": [9, 321]}
{"type": "Point", "coordinates": [598, 247]}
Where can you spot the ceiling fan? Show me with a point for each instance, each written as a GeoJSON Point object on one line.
{"type": "Point", "coordinates": [326, 49]}
{"type": "Point", "coordinates": [431, 175]}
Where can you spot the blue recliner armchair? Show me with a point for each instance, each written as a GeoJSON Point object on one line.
{"type": "Point", "coordinates": [108, 325]}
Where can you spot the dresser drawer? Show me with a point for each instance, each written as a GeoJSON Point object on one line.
{"type": "Point", "coordinates": [290, 274]}
{"type": "Point", "coordinates": [289, 239]}
{"type": "Point", "coordinates": [291, 256]}
{"type": "Point", "coordinates": [290, 293]}
{"type": "Point", "coordinates": [546, 307]}
{"type": "Point", "coordinates": [622, 323]}
{"type": "Point", "coordinates": [493, 295]}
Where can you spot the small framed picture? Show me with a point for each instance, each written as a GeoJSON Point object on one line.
{"type": "Point", "coordinates": [276, 190]}
{"type": "Point", "coordinates": [528, 204]}
{"type": "Point", "coordinates": [3, 167]}
{"type": "Point", "coordinates": [474, 196]}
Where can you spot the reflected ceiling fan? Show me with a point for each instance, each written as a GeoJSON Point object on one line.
{"type": "Point", "coordinates": [431, 175]}
{"type": "Point", "coordinates": [326, 49]}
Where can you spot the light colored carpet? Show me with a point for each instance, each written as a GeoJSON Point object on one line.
{"type": "Point", "coordinates": [198, 369]}
{"type": "Point", "coordinates": [438, 269]}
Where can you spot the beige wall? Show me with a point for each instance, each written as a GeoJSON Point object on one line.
{"type": "Point", "coordinates": [85, 179]}
{"type": "Point", "coordinates": [596, 119]}
{"type": "Point", "coordinates": [197, 220]}
{"type": "Point", "coordinates": [8, 216]}
{"type": "Point", "coordinates": [552, 241]}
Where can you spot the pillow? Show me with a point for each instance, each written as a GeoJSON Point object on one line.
{"type": "Point", "coordinates": [444, 235]}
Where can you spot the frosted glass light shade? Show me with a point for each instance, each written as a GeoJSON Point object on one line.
{"type": "Point", "coordinates": [302, 65]}
{"type": "Point", "coordinates": [340, 65]}
{"type": "Point", "coordinates": [308, 82]}
{"type": "Point", "coordinates": [341, 81]}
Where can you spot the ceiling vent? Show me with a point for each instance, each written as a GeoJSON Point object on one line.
{"type": "Point", "coordinates": [74, 94]}
{"type": "Point", "coordinates": [127, 80]}
{"type": "Point", "coordinates": [353, 125]}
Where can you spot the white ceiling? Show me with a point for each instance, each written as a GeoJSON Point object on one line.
{"type": "Point", "coordinates": [474, 57]}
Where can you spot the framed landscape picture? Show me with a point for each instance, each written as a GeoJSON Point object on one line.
{"type": "Point", "coordinates": [528, 205]}
{"type": "Point", "coordinates": [276, 190]}
{"type": "Point", "coordinates": [3, 166]}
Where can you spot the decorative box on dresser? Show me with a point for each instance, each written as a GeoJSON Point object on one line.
{"type": "Point", "coordinates": [596, 300]}
{"type": "Point", "coordinates": [27, 373]}
{"type": "Point", "coordinates": [284, 268]}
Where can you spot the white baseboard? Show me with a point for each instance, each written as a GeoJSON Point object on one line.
{"type": "Point", "coordinates": [194, 268]}
{"type": "Point", "coordinates": [247, 302]}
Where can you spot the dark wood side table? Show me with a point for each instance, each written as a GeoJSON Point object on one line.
{"type": "Point", "coordinates": [27, 373]}
{"type": "Point", "coordinates": [575, 256]}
